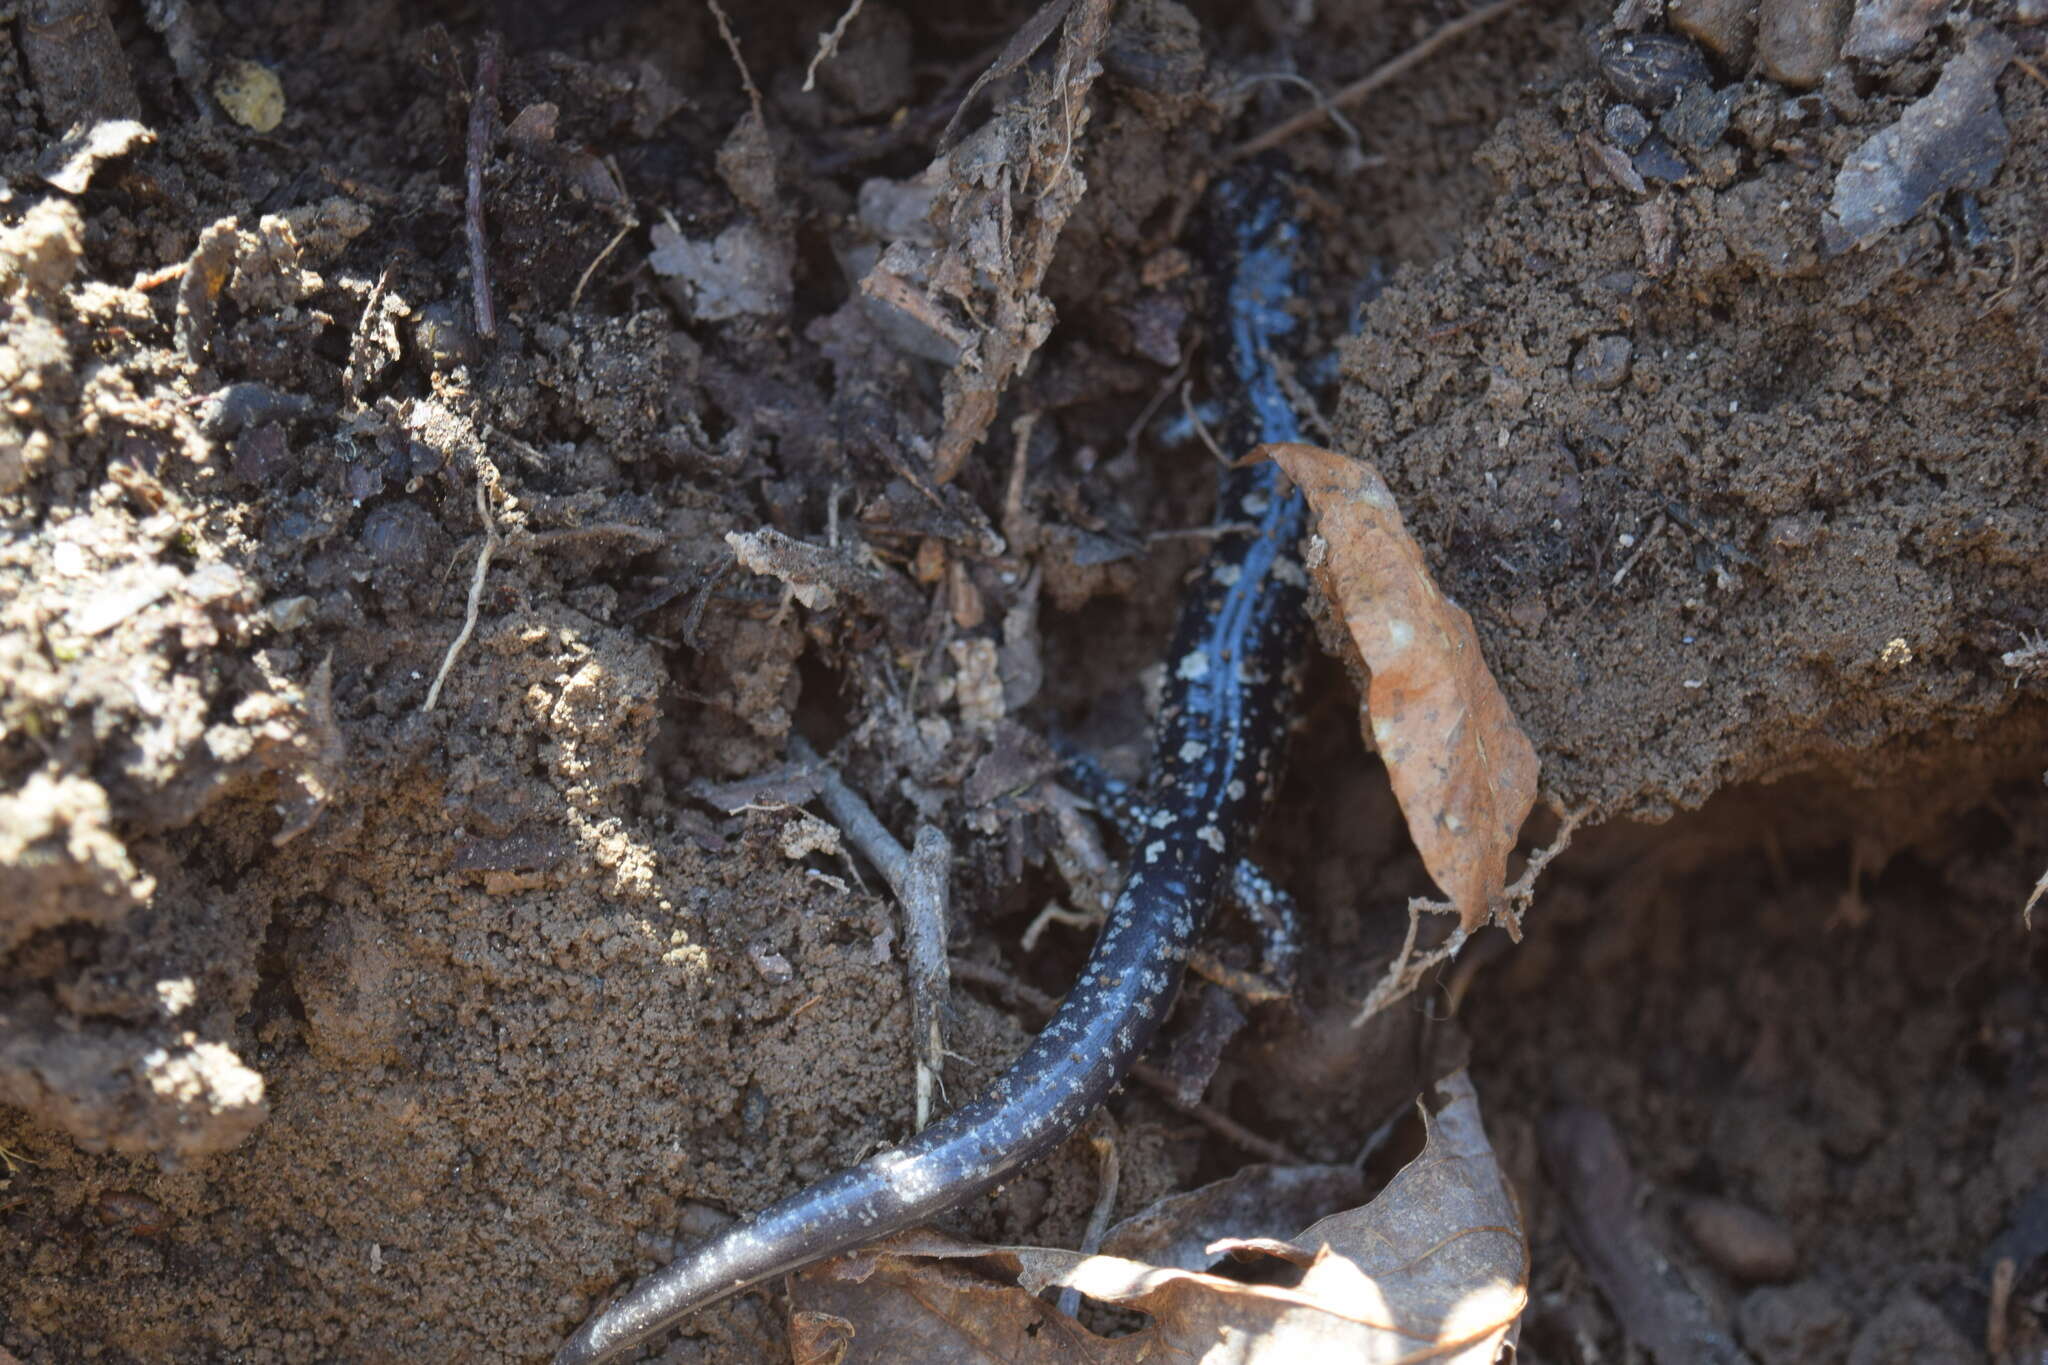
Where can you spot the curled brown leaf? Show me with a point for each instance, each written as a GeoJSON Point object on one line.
{"type": "Point", "coordinates": [1461, 767]}
{"type": "Point", "coordinates": [1434, 1269]}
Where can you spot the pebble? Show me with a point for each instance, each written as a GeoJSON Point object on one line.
{"type": "Point", "coordinates": [1655, 160]}
{"type": "Point", "coordinates": [1626, 126]}
{"type": "Point", "coordinates": [1885, 30]}
{"type": "Point", "coordinates": [1798, 40]}
{"type": "Point", "coordinates": [1700, 117]}
{"type": "Point", "coordinates": [1726, 28]}
{"type": "Point", "coordinates": [1650, 69]}
{"type": "Point", "coordinates": [1603, 363]}
{"type": "Point", "coordinates": [1742, 1243]}
{"type": "Point", "coordinates": [136, 1214]}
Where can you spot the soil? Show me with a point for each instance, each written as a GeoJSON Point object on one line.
{"type": "Point", "coordinates": [351, 1011]}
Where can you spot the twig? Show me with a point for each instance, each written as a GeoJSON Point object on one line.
{"type": "Point", "coordinates": [486, 477]}
{"type": "Point", "coordinates": [1656, 529]}
{"type": "Point", "coordinates": [1995, 1327]}
{"type": "Point", "coordinates": [1597, 1195]}
{"type": "Point", "coordinates": [919, 878]}
{"type": "Point", "coordinates": [2023, 64]}
{"type": "Point", "coordinates": [1217, 1122]}
{"type": "Point", "coordinates": [828, 45]}
{"type": "Point", "coordinates": [732, 45]}
{"type": "Point", "coordinates": [1336, 116]}
{"type": "Point", "coordinates": [1110, 1173]}
{"type": "Point", "coordinates": [1373, 80]}
{"type": "Point", "coordinates": [483, 113]}
{"type": "Point", "coordinates": [576, 295]}
{"type": "Point", "coordinates": [1187, 408]}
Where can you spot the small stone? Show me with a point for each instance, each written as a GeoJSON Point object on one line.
{"type": "Point", "coordinates": [1726, 28]}
{"type": "Point", "coordinates": [287, 614]}
{"type": "Point", "coordinates": [1603, 363]}
{"type": "Point", "coordinates": [1798, 40]}
{"type": "Point", "coordinates": [1700, 117]}
{"type": "Point", "coordinates": [251, 94]}
{"type": "Point", "coordinates": [1650, 68]}
{"type": "Point", "coordinates": [1743, 1244]}
{"type": "Point", "coordinates": [403, 540]}
{"type": "Point", "coordinates": [1626, 126]}
{"type": "Point", "coordinates": [1792, 1325]}
{"type": "Point", "coordinates": [1655, 160]}
{"type": "Point", "coordinates": [260, 455]}
{"type": "Point", "coordinates": [1885, 30]}
{"type": "Point", "coordinates": [444, 337]}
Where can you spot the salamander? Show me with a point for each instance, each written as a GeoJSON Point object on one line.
{"type": "Point", "coordinates": [1232, 670]}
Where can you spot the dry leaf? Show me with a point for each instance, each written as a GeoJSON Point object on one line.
{"type": "Point", "coordinates": [1434, 1269]}
{"type": "Point", "coordinates": [1462, 769]}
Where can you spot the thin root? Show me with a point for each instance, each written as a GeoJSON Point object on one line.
{"type": "Point", "coordinates": [486, 480]}
{"type": "Point", "coordinates": [1408, 969]}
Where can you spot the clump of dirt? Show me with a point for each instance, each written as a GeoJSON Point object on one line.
{"type": "Point", "coordinates": [375, 981]}
{"type": "Point", "coordinates": [1727, 506]}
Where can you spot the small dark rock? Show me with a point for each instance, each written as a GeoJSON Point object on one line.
{"type": "Point", "coordinates": [1603, 363]}
{"type": "Point", "coordinates": [1626, 126]}
{"type": "Point", "coordinates": [237, 406]}
{"type": "Point", "coordinates": [445, 339]}
{"type": "Point", "coordinates": [1743, 1244]}
{"type": "Point", "coordinates": [1651, 69]}
{"type": "Point", "coordinates": [362, 480]}
{"type": "Point", "coordinates": [404, 542]}
{"type": "Point", "coordinates": [261, 455]}
{"type": "Point", "coordinates": [1655, 160]}
{"type": "Point", "coordinates": [1700, 117]}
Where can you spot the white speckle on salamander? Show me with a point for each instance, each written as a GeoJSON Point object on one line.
{"type": "Point", "coordinates": [1194, 666]}
{"type": "Point", "coordinates": [1192, 750]}
{"type": "Point", "coordinates": [1154, 850]}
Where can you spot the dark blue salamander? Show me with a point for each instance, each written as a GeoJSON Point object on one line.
{"type": "Point", "coordinates": [1232, 676]}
